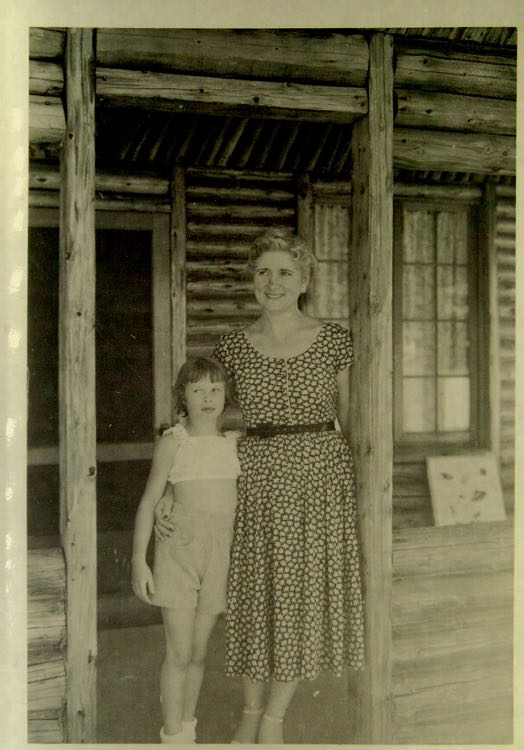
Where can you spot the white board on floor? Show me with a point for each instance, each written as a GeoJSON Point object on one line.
{"type": "Point", "coordinates": [465, 489]}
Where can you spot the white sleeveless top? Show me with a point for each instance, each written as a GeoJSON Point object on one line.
{"type": "Point", "coordinates": [203, 456]}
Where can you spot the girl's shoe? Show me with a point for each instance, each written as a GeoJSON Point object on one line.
{"type": "Point", "coordinates": [247, 731]}
{"type": "Point", "coordinates": [173, 739]}
{"type": "Point", "coordinates": [270, 731]}
{"type": "Point", "coordinates": [189, 730]}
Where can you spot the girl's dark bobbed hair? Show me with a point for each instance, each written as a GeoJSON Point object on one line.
{"type": "Point", "coordinates": [194, 370]}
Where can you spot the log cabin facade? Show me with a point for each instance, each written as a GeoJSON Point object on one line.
{"type": "Point", "coordinates": [155, 158]}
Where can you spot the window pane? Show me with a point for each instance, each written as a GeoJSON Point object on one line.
{"type": "Point", "coordinates": [452, 292]}
{"type": "Point", "coordinates": [453, 404]}
{"type": "Point", "coordinates": [453, 349]}
{"type": "Point", "coordinates": [418, 401]}
{"type": "Point", "coordinates": [418, 236]}
{"type": "Point", "coordinates": [452, 237]}
{"type": "Point", "coordinates": [418, 351]}
{"type": "Point", "coordinates": [418, 292]}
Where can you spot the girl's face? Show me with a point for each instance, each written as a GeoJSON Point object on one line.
{"type": "Point", "coordinates": [205, 399]}
{"type": "Point", "coordinates": [278, 281]}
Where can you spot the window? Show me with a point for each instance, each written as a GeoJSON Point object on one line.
{"type": "Point", "coordinates": [437, 341]}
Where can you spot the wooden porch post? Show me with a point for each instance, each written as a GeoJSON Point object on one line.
{"type": "Point", "coordinates": [371, 388]}
{"type": "Point", "coordinates": [77, 384]}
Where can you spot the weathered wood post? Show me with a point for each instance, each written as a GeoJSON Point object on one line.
{"type": "Point", "coordinates": [371, 388]}
{"type": "Point", "coordinates": [77, 384]}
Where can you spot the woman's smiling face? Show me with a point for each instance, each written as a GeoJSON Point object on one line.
{"type": "Point", "coordinates": [278, 281]}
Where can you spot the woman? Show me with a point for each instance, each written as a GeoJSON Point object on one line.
{"type": "Point", "coordinates": [294, 603]}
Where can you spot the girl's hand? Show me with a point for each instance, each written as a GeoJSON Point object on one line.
{"type": "Point", "coordinates": [142, 579]}
{"type": "Point", "coordinates": [163, 509]}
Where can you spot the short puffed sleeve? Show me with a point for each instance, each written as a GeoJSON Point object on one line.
{"type": "Point", "coordinates": [224, 350]}
{"type": "Point", "coordinates": [179, 434]}
{"type": "Point", "coordinates": [341, 347]}
{"type": "Point", "coordinates": [221, 351]}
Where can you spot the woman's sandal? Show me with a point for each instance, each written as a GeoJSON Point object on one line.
{"type": "Point", "coordinates": [271, 720]}
{"type": "Point", "coordinates": [256, 712]}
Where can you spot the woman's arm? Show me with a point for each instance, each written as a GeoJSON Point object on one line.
{"type": "Point", "coordinates": [343, 401]}
{"type": "Point", "coordinates": [156, 481]}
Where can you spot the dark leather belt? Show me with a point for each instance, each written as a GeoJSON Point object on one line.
{"type": "Point", "coordinates": [270, 430]}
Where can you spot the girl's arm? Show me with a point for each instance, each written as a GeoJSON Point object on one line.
{"type": "Point", "coordinates": [156, 481]}
{"type": "Point", "coordinates": [343, 401]}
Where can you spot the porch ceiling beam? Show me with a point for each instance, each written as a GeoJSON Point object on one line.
{"type": "Point", "coordinates": [371, 383]}
{"type": "Point", "coordinates": [77, 417]}
{"type": "Point", "coordinates": [441, 111]}
{"type": "Point", "coordinates": [270, 54]}
{"type": "Point", "coordinates": [169, 91]}
{"type": "Point", "coordinates": [433, 150]}
{"type": "Point", "coordinates": [440, 67]}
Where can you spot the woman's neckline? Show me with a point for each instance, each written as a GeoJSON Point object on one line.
{"type": "Point", "coordinates": [284, 359]}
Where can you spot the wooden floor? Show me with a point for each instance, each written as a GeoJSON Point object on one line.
{"type": "Point", "coordinates": [128, 706]}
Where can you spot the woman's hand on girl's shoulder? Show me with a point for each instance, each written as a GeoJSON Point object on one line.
{"type": "Point", "coordinates": [164, 526]}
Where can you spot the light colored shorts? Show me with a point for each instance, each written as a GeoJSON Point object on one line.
{"type": "Point", "coordinates": [191, 566]}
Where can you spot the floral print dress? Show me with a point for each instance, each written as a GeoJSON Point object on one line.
{"type": "Point", "coordinates": [294, 593]}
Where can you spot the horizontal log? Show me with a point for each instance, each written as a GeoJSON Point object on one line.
{"type": "Point", "coordinates": [51, 199]}
{"type": "Point", "coordinates": [46, 573]}
{"type": "Point", "coordinates": [169, 91]}
{"type": "Point", "coordinates": [247, 231]}
{"type": "Point", "coordinates": [221, 269]}
{"type": "Point", "coordinates": [462, 72]}
{"type": "Point", "coordinates": [507, 210]}
{"type": "Point", "coordinates": [286, 55]}
{"type": "Point", "coordinates": [219, 290]}
{"type": "Point", "coordinates": [45, 78]}
{"type": "Point", "coordinates": [46, 119]}
{"type": "Point", "coordinates": [46, 44]}
{"type": "Point", "coordinates": [438, 192]}
{"type": "Point", "coordinates": [213, 212]}
{"type": "Point", "coordinates": [411, 519]}
{"type": "Point", "coordinates": [454, 701]}
{"type": "Point", "coordinates": [476, 730]}
{"type": "Point", "coordinates": [453, 632]}
{"type": "Point", "coordinates": [45, 177]}
{"type": "Point", "coordinates": [441, 111]}
{"type": "Point", "coordinates": [207, 334]}
{"type": "Point", "coordinates": [46, 727]}
{"type": "Point", "coordinates": [421, 599]}
{"type": "Point", "coordinates": [239, 177]}
{"type": "Point", "coordinates": [472, 664]}
{"type": "Point", "coordinates": [453, 152]}
{"type": "Point", "coordinates": [219, 249]}
{"type": "Point", "coordinates": [236, 307]}
{"type": "Point", "coordinates": [240, 194]}
{"type": "Point", "coordinates": [46, 687]}
{"type": "Point", "coordinates": [505, 191]}
{"type": "Point", "coordinates": [450, 540]}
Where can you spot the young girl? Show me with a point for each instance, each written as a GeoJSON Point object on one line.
{"type": "Point", "coordinates": [191, 566]}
